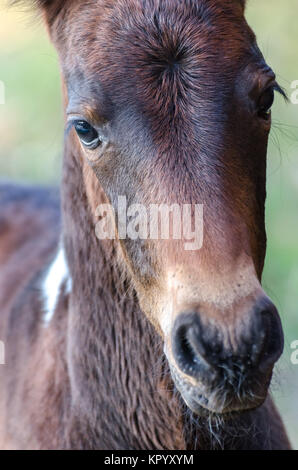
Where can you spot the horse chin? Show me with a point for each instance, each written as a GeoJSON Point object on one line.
{"type": "Point", "coordinates": [204, 402]}
{"type": "Point", "coordinates": [200, 406]}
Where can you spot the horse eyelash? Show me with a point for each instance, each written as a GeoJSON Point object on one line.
{"type": "Point", "coordinates": [281, 91]}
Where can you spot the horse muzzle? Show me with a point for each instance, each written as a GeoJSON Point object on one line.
{"type": "Point", "coordinates": [215, 373]}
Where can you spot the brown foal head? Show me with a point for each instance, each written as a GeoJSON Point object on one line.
{"type": "Point", "coordinates": [169, 103]}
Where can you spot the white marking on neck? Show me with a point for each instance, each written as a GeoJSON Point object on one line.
{"type": "Point", "coordinates": [57, 273]}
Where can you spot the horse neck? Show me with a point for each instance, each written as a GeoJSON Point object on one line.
{"type": "Point", "coordinates": [122, 393]}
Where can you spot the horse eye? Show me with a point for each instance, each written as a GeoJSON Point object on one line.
{"type": "Point", "coordinates": [87, 134]}
{"type": "Point", "coordinates": [265, 103]}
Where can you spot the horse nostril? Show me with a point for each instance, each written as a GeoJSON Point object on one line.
{"type": "Point", "coordinates": [261, 339]}
{"type": "Point", "coordinates": [199, 349]}
{"type": "Point", "coordinates": [188, 348]}
{"type": "Point", "coordinates": [272, 338]}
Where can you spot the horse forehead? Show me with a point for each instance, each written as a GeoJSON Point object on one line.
{"type": "Point", "coordinates": [155, 54]}
{"type": "Point", "coordinates": [131, 34]}
{"type": "Point", "coordinates": [152, 48]}
{"type": "Point", "coordinates": [168, 34]}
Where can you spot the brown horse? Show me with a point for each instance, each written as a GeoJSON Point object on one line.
{"type": "Point", "coordinates": [126, 343]}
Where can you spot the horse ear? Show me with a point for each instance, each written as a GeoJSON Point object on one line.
{"type": "Point", "coordinates": [51, 8]}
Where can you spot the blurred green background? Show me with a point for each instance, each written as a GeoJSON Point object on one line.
{"type": "Point", "coordinates": [31, 129]}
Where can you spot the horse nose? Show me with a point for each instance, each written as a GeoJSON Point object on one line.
{"type": "Point", "coordinates": [203, 351]}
